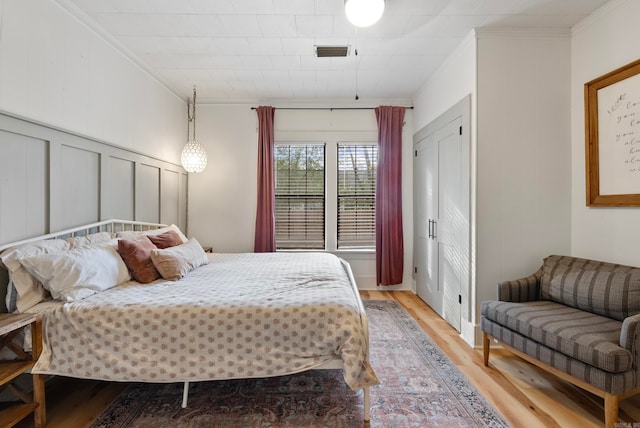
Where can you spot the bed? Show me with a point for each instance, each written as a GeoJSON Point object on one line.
{"type": "Point", "coordinates": [230, 316]}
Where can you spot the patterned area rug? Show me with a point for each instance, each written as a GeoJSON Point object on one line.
{"type": "Point", "coordinates": [420, 387]}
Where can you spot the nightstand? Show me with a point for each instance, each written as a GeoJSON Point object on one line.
{"type": "Point", "coordinates": [13, 412]}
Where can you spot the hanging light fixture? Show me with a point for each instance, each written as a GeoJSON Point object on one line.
{"type": "Point", "coordinates": [194, 158]}
{"type": "Point", "coordinates": [363, 13]}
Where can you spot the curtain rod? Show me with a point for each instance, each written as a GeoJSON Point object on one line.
{"type": "Point", "coordinates": [328, 108]}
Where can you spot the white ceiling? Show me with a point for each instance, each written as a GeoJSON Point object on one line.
{"type": "Point", "coordinates": [252, 50]}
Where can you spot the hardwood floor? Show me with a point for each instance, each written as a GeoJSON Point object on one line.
{"type": "Point", "coordinates": [525, 395]}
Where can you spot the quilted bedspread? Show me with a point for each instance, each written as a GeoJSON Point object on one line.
{"type": "Point", "coordinates": [240, 316]}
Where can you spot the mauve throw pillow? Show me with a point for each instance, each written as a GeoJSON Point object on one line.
{"type": "Point", "coordinates": [136, 254]}
{"type": "Point", "coordinates": [175, 262]}
{"type": "Point", "coordinates": [166, 239]}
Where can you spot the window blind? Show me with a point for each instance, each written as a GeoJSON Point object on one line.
{"type": "Point", "coordinates": [357, 166]}
{"type": "Point", "coordinates": [300, 196]}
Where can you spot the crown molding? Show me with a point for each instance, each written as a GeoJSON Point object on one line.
{"type": "Point", "coordinates": [323, 103]}
{"type": "Point", "coordinates": [522, 33]}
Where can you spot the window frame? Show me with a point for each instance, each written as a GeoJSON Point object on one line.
{"type": "Point", "coordinates": [324, 226]}
{"type": "Point", "coordinates": [340, 144]}
{"type": "Point", "coordinates": [330, 141]}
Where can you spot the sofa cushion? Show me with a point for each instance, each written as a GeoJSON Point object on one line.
{"type": "Point", "coordinates": [603, 288]}
{"type": "Point", "coordinates": [590, 338]}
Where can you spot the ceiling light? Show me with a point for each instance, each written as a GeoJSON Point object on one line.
{"type": "Point", "coordinates": [363, 13]}
{"type": "Point", "coordinates": [193, 158]}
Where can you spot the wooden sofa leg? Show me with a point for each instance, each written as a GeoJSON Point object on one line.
{"type": "Point", "coordinates": [485, 348]}
{"type": "Point", "coordinates": [610, 410]}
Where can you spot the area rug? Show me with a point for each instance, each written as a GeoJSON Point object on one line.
{"type": "Point", "coordinates": [420, 387]}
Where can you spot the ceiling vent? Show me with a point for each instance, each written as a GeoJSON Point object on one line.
{"type": "Point", "coordinates": [331, 51]}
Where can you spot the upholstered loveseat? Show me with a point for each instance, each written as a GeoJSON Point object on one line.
{"type": "Point", "coordinates": [577, 318]}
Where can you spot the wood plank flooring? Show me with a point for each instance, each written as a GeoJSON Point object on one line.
{"type": "Point", "coordinates": [525, 395]}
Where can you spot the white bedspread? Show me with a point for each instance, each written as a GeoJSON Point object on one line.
{"type": "Point", "coordinates": [240, 316]}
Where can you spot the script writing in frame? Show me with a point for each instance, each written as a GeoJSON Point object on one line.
{"type": "Point", "coordinates": [612, 138]}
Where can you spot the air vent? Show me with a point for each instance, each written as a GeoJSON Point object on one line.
{"type": "Point", "coordinates": [331, 51]}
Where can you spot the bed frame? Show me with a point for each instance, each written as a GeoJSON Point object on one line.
{"type": "Point", "coordinates": [113, 225]}
{"type": "Point", "coordinates": [116, 225]}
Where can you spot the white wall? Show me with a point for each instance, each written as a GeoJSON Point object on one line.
{"type": "Point", "coordinates": [601, 43]}
{"type": "Point", "coordinates": [455, 79]}
{"type": "Point", "coordinates": [523, 190]}
{"type": "Point", "coordinates": [519, 84]}
{"type": "Point", "coordinates": [222, 199]}
{"type": "Point", "coordinates": [55, 70]}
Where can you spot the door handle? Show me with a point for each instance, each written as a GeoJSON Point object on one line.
{"type": "Point", "coordinates": [434, 234]}
{"type": "Point", "coordinates": [430, 222]}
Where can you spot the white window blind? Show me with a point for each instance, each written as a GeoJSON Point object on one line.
{"type": "Point", "coordinates": [357, 165]}
{"type": "Point", "coordinates": [300, 196]}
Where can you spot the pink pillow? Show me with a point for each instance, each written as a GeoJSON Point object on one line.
{"type": "Point", "coordinates": [175, 262]}
{"type": "Point", "coordinates": [136, 254]}
{"type": "Point", "coordinates": [166, 239]}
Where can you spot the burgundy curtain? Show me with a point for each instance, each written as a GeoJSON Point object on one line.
{"type": "Point", "coordinates": [389, 240]}
{"type": "Point", "coordinates": [265, 238]}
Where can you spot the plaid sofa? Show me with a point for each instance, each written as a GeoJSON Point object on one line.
{"type": "Point", "coordinates": [577, 318]}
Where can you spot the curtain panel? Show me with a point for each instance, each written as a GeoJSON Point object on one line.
{"type": "Point", "coordinates": [389, 237]}
{"type": "Point", "coordinates": [265, 234]}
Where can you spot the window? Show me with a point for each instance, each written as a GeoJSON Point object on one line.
{"type": "Point", "coordinates": [305, 194]}
{"type": "Point", "coordinates": [357, 166]}
{"type": "Point", "coordinates": [300, 196]}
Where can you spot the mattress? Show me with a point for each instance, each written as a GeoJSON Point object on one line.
{"type": "Point", "coordinates": [239, 316]}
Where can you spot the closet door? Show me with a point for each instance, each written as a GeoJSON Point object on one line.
{"type": "Point", "coordinates": [440, 220]}
{"type": "Point", "coordinates": [426, 209]}
{"type": "Point", "coordinates": [442, 212]}
{"type": "Point", "coordinates": [450, 221]}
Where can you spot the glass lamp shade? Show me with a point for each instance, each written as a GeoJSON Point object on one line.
{"type": "Point", "coordinates": [363, 13]}
{"type": "Point", "coordinates": [194, 158]}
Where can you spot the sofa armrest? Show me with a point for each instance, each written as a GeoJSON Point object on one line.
{"type": "Point", "coordinates": [521, 290]}
{"type": "Point", "coordinates": [630, 336]}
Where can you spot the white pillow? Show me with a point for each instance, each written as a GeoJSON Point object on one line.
{"type": "Point", "coordinates": [175, 262]}
{"type": "Point", "coordinates": [29, 289]}
{"type": "Point", "coordinates": [100, 237]}
{"type": "Point", "coordinates": [92, 238]}
{"type": "Point", "coordinates": [75, 274]}
{"type": "Point", "coordinates": [136, 233]}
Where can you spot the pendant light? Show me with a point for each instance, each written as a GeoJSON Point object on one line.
{"type": "Point", "coordinates": [194, 158]}
{"type": "Point", "coordinates": [363, 13]}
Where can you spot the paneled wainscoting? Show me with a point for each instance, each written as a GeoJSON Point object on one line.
{"type": "Point", "coordinates": [523, 394]}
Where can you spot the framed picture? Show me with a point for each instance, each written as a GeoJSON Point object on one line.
{"type": "Point", "coordinates": [612, 138]}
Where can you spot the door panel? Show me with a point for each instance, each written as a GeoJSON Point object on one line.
{"type": "Point", "coordinates": [426, 167]}
{"type": "Point", "coordinates": [438, 223]}
{"type": "Point", "coordinates": [449, 219]}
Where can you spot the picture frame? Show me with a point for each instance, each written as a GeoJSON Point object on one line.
{"type": "Point", "coordinates": [612, 138]}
